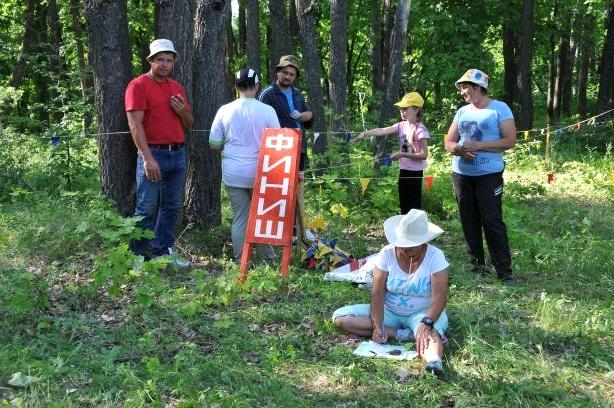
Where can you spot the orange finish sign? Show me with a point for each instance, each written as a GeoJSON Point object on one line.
{"type": "Point", "coordinates": [271, 215]}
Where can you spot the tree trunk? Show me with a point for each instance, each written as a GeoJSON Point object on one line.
{"type": "Point", "coordinates": [107, 25]}
{"type": "Point", "coordinates": [377, 74]}
{"type": "Point", "coordinates": [510, 76]}
{"type": "Point", "coordinates": [19, 69]}
{"type": "Point", "coordinates": [312, 67]}
{"type": "Point", "coordinates": [562, 68]}
{"type": "Point", "coordinates": [388, 13]}
{"type": "Point", "coordinates": [583, 80]}
{"type": "Point", "coordinates": [525, 57]}
{"type": "Point", "coordinates": [175, 22]}
{"type": "Point", "coordinates": [437, 96]}
{"type": "Point", "coordinates": [292, 25]}
{"type": "Point", "coordinates": [395, 64]}
{"type": "Point", "coordinates": [558, 83]}
{"type": "Point", "coordinates": [203, 195]}
{"type": "Point", "coordinates": [252, 20]}
{"type": "Point", "coordinates": [605, 100]}
{"type": "Point", "coordinates": [565, 73]}
{"type": "Point", "coordinates": [229, 37]}
{"type": "Point", "coordinates": [585, 49]}
{"type": "Point", "coordinates": [337, 72]}
{"type": "Point", "coordinates": [352, 64]}
{"type": "Point", "coordinates": [551, 70]}
{"type": "Point", "coordinates": [574, 48]}
{"type": "Point", "coordinates": [241, 43]}
{"type": "Point", "coordinates": [41, 79]}
{"type": "Point", "coordinates": [141, 37]}
{"type": "Point", "coordinates": [397, 46]}
{"type": "Point", "coordinates": [278, 35]}
{"type": "Point", "coordinates": [86, 81]}
{"type": "Point", "coordinates": [56, 65]}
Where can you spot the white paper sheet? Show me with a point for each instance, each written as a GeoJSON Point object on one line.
{"type": "Point", "coordinates": [364, 274]}
{"type": "Point", "coordinates": [376, 350]}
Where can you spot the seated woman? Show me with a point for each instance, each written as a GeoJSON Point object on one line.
{"type": "Point", "coordinates": [410, 290]}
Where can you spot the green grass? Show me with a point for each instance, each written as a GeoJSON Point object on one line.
{"type": "Point", "coordinates": [96, 335]}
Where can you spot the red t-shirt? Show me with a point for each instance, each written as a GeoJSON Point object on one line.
{"type": "Point", "coordinates": [161, 123]}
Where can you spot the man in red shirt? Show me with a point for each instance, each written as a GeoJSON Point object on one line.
{"type": "Point", "coordinates": [158, 112]}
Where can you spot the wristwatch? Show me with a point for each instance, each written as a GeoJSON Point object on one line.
{"type": "Point", "coordinates": [428, 321]}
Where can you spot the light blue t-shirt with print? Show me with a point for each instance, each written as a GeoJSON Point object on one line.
{"type": "Point", "coordinates": [480, 125]}
{"type": "Point", "coordinates": [288, 94]}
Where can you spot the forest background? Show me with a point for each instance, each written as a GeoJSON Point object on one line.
{"type": "Point", "coordinates": [81, 327]}
{"type": "Point", "coordinates": [547, 59]}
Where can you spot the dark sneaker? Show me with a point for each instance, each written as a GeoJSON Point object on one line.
{"type": "Point", "coordinates": [480, 269]}
{"type": "Point", "coordinates": [508, 281]}
{"type": "Point", "coordinates": [478, 266]}
{"type": "Point", "coordinates": [506, 278]}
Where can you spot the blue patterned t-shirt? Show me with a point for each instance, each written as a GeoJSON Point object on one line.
{"type": "Point", "coordinates": [480, 125]}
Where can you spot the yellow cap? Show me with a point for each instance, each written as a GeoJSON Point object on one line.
{"type": "Point", "coordinates": [410, 99]}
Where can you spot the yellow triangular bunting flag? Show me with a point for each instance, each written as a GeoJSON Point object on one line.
{"type": "Point", "coordinates": [364, 182]}
{"type": "Point", "coordinates": [317, 223]}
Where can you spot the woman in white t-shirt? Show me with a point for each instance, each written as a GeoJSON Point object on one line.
{"type": "Point", "coordinates": [410, 290]}
{"type": "Point", "coordinates": [413, 149]}
{"type": "Point", "coordinates": [237, 130]}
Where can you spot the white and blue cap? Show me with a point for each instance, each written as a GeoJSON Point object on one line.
{"type": "Point", "coordinates": [246, 78]}
{"type": "Point", "coordinates": [474, 76]}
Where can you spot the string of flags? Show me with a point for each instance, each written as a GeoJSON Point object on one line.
{"type": "Point", "coordinates": [365, 181]}
{"type": "Point", "coordinates": [386, 161]}
{"type": "Point", "coordinates": [428, 180]}
{"type": "Point", "coordinates": [592, 121]}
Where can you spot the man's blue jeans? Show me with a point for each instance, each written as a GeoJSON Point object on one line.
{"type": "Point", "coordinates": [159, 203]}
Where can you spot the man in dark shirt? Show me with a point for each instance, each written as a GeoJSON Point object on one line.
{"type": "Point", "coordinates": [287, 100]}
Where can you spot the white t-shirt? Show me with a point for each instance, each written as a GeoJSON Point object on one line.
{"type": "Point", "coordinates": [408, 294]}
{"type": "Point", "coordinates": [238, 126]}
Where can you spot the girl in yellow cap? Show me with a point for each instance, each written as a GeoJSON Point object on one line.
{"type": "Point", "coordinates": [413, 149]}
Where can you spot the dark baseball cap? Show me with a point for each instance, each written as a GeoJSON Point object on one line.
{"type": "Point", "coordinates": [247, 77]}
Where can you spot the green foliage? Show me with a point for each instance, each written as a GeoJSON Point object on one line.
{"type": "Point", "coordinates": [24, 292]}
{"type": "Point", "coordinates": [32, 163]}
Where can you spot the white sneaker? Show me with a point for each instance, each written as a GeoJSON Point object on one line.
{"type": "Point", "coordinates": [435, 367]}
{"type": "Point", "coordinates": [176, 260]}
{"type": "Point", "coordinates": [137, 264]}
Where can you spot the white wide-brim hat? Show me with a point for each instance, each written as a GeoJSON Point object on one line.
{"type": "Point", "coordinates": [161, 45]}
{"type": "Point", "coordinates": [411, 229]}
